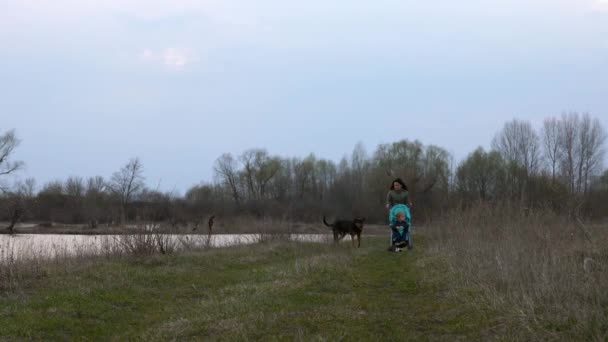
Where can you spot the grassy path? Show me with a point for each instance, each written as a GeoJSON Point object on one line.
{"type": "Point", "coordinates": [275, 290]}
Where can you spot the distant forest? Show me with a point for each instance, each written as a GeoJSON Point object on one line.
{"type": "Point", "coordinates": [558, 168]}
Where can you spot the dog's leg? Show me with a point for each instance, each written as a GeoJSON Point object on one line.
{"type": "Point", "coordinates": [352, 236]}
{"type": "Point", "coordinates": [358, 240]}
{"type": "Point", "coordinates": [336, 237]}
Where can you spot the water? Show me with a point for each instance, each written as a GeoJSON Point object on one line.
{"type": "Point", "coordinates": [17, 247]}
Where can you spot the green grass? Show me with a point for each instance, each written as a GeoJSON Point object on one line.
{"type": "Point", "coordinates": [271, 291]}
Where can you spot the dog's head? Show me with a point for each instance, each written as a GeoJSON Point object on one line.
{"type": "Point", "coordinates": [358, 221]}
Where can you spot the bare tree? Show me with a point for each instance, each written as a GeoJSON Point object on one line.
{"type": "Point", "coordinates": [16, 201]}
{"type": "Point", "coordinates": [551, 144]}
{"type": "Point", "coordinates": [304, 177]}
{"type": "Point", "coordinates": [94, 200]}
{"type": "Point", "coordinates": [27, 188]}
{"type": "Point", "coordinates": [591, 140]}
{"type": "Point", "coordinates": [435, 168]}
{"type": "Point", "coordinates": [96, 185]}
{"type": "Point", "coordinates": [54, 187]}
{"type": "Point", "coordinates": [16, 207]}
{"type": "Point", "coordinates": [247, 159]}
{"type": "Point", "coordinates": [359, 165]}
{"type": "Point", "coordinates": [8, 143]}
{"type": "Point", "coordinates": [126, 183]}
{"type": "Point", "coordinates": [74, 187]}
{"type": "Point", "coordinates": [568, 132]}
{"type": "Point", "coordinates": [518, 143]}
{"type": "Point", "coordinates": [326, 176]}
{"type": "Point", "coordinates": [519, 146]}
{"type": "Point", "coordinates": [225, 168]}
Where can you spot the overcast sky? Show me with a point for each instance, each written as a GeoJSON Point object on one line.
{"type": "Point", "coordinates": [89, 84]}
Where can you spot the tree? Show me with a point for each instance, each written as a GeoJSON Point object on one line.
{"type": "Point", "coordinates": [518, 143]}
{"type": "Point", "coordinates": [8, 144]}
{"type": "Point", "coordinates": [551, 144]}
{"type": "Point", "coordinates": [280, 187]}
{"type": "Point", "coordinates": [258, 170]}
{"type": "Point", "coordinates": [568, 132]}
{"type": "Point", "coordinates": [266, 169]}
{"type": "Point", "coordinates": [435, 168]}
{"type": "Point", "coordinates": [15, 208]}
{"type": "Point", "coordinates": [74, 192]}
{"type": "Point", "coordinates": [519, 146]}
{"type": "Point", "coordinates": [226, 170]}
{"type": "Point", "coordinates": [246, 159]}
{"type": "Point", "coordinates": [74, 187]}
{"type": "Point", "coordinates": [95, 199]}
{"type": "Point", "coordinates": [481, 175]}
{"type": "Point", "coordinates": [577, 151]}
{"type": "Point", "coordinates": [200, 202]}
{"type": "Point", "coordinates": [96, 185]}
{"type": "Point", "coordinates": [126, 183]}
{"type": "Point", "coordinates": [326, 172]}
{"type": "Point", "coordinates": [304, 175]}
{"type": "Point", "coordinates": [590, 143]}
{"type": "Point", "coordinates": [359, 165]}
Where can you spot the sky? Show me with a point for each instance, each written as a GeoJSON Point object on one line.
{"type": "Point", "coordinates": [87, 85]}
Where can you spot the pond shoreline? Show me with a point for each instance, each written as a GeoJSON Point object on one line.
{"type": "Point", "coordinates": [232, 229]}
{"type": "Point", "coordinates": [50, 246]}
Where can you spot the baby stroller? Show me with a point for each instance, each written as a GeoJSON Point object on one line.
{"type": "Point", "coordinates": [401, 208]}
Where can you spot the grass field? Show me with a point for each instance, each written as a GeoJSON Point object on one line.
{"type": "Point", "coordinates": [273, 290]}
{"type": "Point", "coordinates": [485, 274]}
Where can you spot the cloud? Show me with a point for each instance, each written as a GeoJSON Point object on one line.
{"type": "Point", "coordinates": [27, 13]}
{"type": "Point", "coordinates": [151, 9]}
{"type": "Point", "coordinates": [178, 21]}
{"type": "Point", "coordinates": [174, 58]}
{"type": "Point", "coordinates": [600, 6]}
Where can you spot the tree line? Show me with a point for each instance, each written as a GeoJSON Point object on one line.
{"type": "Point", "coordinates": [558, 167]}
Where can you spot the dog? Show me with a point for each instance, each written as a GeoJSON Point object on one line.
{"type": "Point", "coordinates": [342, 227]}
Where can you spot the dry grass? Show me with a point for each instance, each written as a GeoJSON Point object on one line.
{"type": "Point", "coordinates": [252, 225]}
{"type": "Point", "coordinates": [21, 263]}
{"type": "Point", "coordinates": [542, 271]}
{"type": "Point", "coordinates": [13, 271]}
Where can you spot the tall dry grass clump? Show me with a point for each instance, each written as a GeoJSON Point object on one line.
{"type": "Point", "coordinates": [544, 271]}
{"type": "Point", "coordinates": [13, 271]}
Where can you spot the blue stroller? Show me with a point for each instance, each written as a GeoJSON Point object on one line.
{"type": "Point", "coordinates": [395, 236]}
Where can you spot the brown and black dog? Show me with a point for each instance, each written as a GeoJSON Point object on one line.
{"type": "Point", "coordinates": [342, 227]}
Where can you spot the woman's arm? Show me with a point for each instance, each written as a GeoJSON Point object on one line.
{"type": "Point", "coordinates": [408, 201]}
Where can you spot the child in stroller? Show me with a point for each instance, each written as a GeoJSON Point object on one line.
{"type": "Point", "coordinates": [400, 224]}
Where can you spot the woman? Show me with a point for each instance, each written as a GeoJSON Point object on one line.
{"type": "Point", "coordinates": [398, 194]}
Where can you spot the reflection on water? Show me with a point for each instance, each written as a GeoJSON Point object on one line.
{"type": "Point", "coordinates": [49, 246]}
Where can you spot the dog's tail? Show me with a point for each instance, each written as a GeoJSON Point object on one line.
{"type": "Point", "coordinates": [325, 222]}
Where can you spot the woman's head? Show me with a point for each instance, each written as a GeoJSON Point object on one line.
{"type": "Point", "coordinates": [398, 184]}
